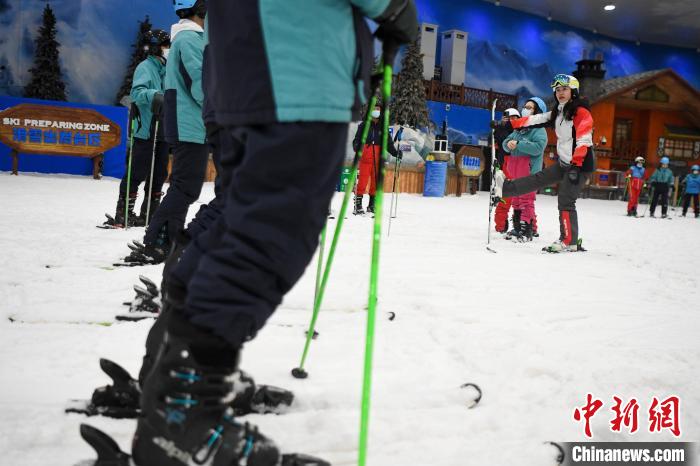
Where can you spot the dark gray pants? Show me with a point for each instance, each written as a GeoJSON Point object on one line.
{"type": "Point", "coordinates": [567, 195]}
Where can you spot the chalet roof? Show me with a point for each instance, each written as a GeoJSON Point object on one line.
{"type": "Point", "coordinates": [615, 86]}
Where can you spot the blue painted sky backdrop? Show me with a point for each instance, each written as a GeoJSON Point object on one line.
{"type": "Point", "coordinates": [508, 50]}
{"type": "Point", "coordinates": [515, 52]}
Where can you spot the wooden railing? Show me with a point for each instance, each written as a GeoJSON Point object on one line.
{"type": "Point", "coordinates": [467, 96]}
{"type": "Point", "coordinates": [628, 150]}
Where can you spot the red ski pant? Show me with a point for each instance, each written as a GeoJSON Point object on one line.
{"type": "Point", "coordinates": [501, 216]}
{"type": "Point", "coordinates": [368, 170]}
{"type": "Point", "coordinates": [636, 185]}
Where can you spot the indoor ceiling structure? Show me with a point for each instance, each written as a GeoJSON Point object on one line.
{"type": "Point", "coordinates": [666, 22]}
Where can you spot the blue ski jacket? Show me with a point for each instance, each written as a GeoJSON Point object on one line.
{"type": "Point", "coordinates": [692, 184]}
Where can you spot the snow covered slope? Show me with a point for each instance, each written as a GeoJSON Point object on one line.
{"type": "Point", "coordinates": [537, 332]}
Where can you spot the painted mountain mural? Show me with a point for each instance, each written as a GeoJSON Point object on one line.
{"type": "Point", "coordinates": [508, 50]}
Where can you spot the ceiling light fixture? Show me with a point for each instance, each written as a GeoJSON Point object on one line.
{"type": "Point", "coordinates": [638, 43]}
{"type": "Point", "coordinates": [595, 30]}
{"type": "Point", "coordinates": [549, 16]}
{"type": "Point", "coordinates": [498, 2]}
{"type": "Point", "coordinates": [609, 7]}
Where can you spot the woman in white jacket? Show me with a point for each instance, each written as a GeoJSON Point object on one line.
{"type": "Point", "coordinates": [573, 125]}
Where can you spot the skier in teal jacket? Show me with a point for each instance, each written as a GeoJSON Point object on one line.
{"type": "Point", "coordinates": [526, 148]}
{"type": "Point", "coordinates": [661, 182]}
{"type": "Point", "coordinates": [146, 101]}
{"type": "Point", "coordinates": [184, 130]}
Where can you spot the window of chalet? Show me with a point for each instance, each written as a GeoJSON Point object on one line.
{"type": "Point", "coordinates": [653, 94]}
{"type": "Point", "coordinates": [679, 148]}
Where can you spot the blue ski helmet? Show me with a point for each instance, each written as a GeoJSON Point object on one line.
{"type": "Point", "coordinates": [185, 8]}
{"type": "Point", "coordinates": [183, 4]}
{"type": "Point", "coordinates": [695, 167]}
{"type": "Point", "coordinates": [540, 103]}
{"type": "Point", "coordinates": [664, 160]}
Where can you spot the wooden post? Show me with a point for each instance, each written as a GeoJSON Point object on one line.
{"type": "Point", "coordinates": [96, 162]}
{"type": "Point", "coordinates": [15, 161]}
{"type": "Point", "coordinates": [675, 190]}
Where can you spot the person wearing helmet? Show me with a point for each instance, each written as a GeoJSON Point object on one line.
{"type": "Point", "coordinates": [288, 125]}
{"type": "Point", "coordinates": [503, 158]}
{"type": "Point", "coordinates": [183, 128]}
{"type": "Point", "coordinates": [526, 148]}
{"type": "Point", "coordinates": [691, 182]}
{"type": "Point", "coordinates": [573, 125]}
{"type": "Point", "coordinates": [661, 182]}
{"type": "Point", "coordinates": [146, 99]}
{"type": "Point", "coordinates": [635, 182]}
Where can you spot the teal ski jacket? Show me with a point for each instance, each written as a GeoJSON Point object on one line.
{"type": "Point", "coordinates": [662, 175]}
{"type": "Point", "coordinates": [148, 81]}
{"type": "Point", "coordinates": [289, 60]}
{"type": "Point", "coordinates": [531, 143]}
{"type": "Point", "coordinates": [183, 84]}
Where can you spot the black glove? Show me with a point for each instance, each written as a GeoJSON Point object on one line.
{"type": "Point", "coordinates": [399, 22]}
{"type": "Point", "coordinates": [157, 103]}
{"type": "Point", "coordinates": [573, 174]}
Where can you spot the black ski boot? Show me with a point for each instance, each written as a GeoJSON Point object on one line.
{"type": "Point", "coordinates": [155, 202]}
{"type": "Point", "coordinates": [517, 226]}
{"type": "Point", "coordinates": [250, 398]}
{"type": "Point", "coordinates": [525, 231]}
{"type": "Point", "coordinates": [150, 253]}
{"type": "Point", "coordinates": [358, 205]}
{"type": "Point", "coordinates": [187, 416]}
{"type": "Point", "coordinates": [119, 213]}
{"type": "Point", "coordinates": [370, 206]}
{"type": "Point", "coordinates": [178, 247]}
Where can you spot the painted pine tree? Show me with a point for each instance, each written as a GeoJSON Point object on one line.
{"type": "Point", "coordinates": [46, 81]}
{"type": "Point", "coordinates": [139, 55]}
{"type": "Point", "coordinates": [408, 106]}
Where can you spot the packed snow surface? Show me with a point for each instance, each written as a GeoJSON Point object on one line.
{"type": "Point", "coordinates": [537, 332]}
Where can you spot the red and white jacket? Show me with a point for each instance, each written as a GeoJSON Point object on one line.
{"type": "Point", "coordinates": [574, 137]}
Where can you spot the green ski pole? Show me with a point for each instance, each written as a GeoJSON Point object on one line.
{"type": "Point", "coordinates": [319, 267]}
{"type": "Point", "coordinates": [300, 372]}
{"type": "Point", "coordinates": [387, 67]}
{"type": "Point", "coordinates": [127, 198]}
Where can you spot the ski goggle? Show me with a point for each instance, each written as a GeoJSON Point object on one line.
{"type": "Point", "coordinates": [564, 80]}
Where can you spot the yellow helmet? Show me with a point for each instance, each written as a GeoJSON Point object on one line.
{"type": "Point", "coordinates": [566, 80]}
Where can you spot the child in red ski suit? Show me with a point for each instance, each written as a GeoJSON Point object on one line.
{"type": "Point", "coordinates": [370, 161]}
{"type": "Point", "coordinates": [635, 179]}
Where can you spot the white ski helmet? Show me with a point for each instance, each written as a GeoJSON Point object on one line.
{"type": "Point", "coordinates": [639, 160]}
{"type": "Point", "coordinates": [510, 112]}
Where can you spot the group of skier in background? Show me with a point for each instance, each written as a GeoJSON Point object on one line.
{"type": "Point", "coordinates": [661, 184]}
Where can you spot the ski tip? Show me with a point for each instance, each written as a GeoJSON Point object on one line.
{"type": "Point", "coordinates": [478, 396]}
{"type": "Point", "coordinates": [392, 315]}
{"type": "Point", "coordinates": [299, 373]}
{"type": "Point", "coordinates": [491, 250]}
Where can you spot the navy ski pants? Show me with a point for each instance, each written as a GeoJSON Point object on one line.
{"type": "Point", "coordinates": [278, 181]}
{"type": "Point", "coordinates": [186, 180]}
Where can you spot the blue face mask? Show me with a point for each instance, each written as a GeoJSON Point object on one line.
{"type": "Point", "coordinates": [375, 113]}
{"type": "Point", "coordinates": [526, 112]}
